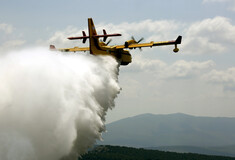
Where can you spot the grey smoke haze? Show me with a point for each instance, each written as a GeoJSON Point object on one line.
{"type": "Point", "coordinates": [53, 105]}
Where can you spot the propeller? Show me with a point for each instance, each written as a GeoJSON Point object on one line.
{"type": "Point", "coordinates": [109, 42]}
{"type": "Point", "coordinates": [141, 39]}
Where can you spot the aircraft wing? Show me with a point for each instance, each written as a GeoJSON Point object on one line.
{"type": "Point", "coordinates": [151, 44]}
{"type": "Point", "coordinates": [75, 49]}
{"type": "Point", "coordinates": [131, 46]}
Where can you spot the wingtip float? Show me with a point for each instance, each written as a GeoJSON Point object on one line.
{"type": "Point", "coordinates": [98, 47]}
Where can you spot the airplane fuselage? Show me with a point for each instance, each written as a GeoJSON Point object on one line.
{"type": "Point", "coordinates": [121, 55]}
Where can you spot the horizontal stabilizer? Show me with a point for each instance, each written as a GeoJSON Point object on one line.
{"type": "Point", "coordinates": [84, 37]}
{"type": "Point", "coordinates": [107, 35]}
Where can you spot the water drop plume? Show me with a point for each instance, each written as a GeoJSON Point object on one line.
{"type": "Point", "coordinates": [52, 104]}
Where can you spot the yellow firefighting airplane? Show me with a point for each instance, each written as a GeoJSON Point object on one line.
{"type": "Point", "coordinates": [98, 47]}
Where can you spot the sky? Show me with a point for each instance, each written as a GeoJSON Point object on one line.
{"type": "Point", "coordinates": [199, 80]}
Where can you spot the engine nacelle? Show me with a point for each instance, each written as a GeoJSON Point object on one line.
{"type": "Point", "coordinates": [126, 44]}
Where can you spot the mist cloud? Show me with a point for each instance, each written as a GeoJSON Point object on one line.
{"type": "Point", "coordinates": [53, 105]}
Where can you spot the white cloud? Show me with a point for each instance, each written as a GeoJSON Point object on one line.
{"type": "Point", "coordinates": [151, 78]}
{"type": "Point", "coordinates": [59, 38]}
{"type": "Point", "coordinates": [188, 69]}
{"type": "Point", "coordinates": [11, 44]}
{"type": "Point", "coordinates": [148, 26]}
{"type": "Point", "coordinates": [179, 69]}
{"type": "Point", "coordinates": [6, 28]}
{"type": "Point", "coordinates": [212, 35]}
{"type": "Point", "coordinates": [223, 77]}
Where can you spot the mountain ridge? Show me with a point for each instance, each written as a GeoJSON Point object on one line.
{"type": "Point", "coordinates": [172, 114]}
{"type": "Point", "coordinates": [150, 130]}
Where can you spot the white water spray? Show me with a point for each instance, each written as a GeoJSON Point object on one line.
{"type": "Point", "coordinates": [53, 105]}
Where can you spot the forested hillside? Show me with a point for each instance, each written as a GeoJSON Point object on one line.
{"type": "Point", "coordinates": [127, 153]}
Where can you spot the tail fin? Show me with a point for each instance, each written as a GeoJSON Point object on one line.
{"type": "Point", "coordinates": [94, 42]}
{"type": "Point", "coordinates": [91, 26]}
{"type": "Point", "coordinates": [95, 48]}
{"type": "Point", "coordinates": [178, 40]}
